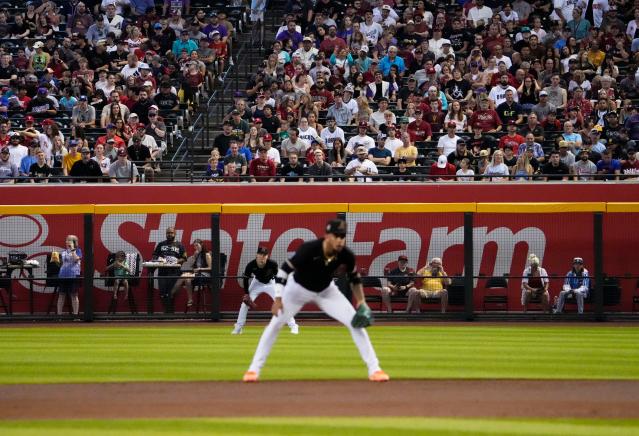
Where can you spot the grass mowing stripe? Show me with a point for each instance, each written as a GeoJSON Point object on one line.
{"type": "Point", "coordinates": [99, 354]}
{"type": "Point", "coordinates": [322, 426]}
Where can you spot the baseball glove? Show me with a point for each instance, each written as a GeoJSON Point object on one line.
{"type": "Point", "coordinates": [247, 300]}
{"type": "Point", "coordinates": [363, 317]}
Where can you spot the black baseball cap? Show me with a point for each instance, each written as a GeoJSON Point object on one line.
{"type": "Point", "coordinates": [262, 250]}
{"type": "Point", "coordinates": [336, 227]}
{"type": "Point", "coordinates": [402, 258]}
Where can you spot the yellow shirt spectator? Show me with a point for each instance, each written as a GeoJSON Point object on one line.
{"type": "Point", "coordinates": [430, 283]}
{"type": "Point", "coordinates": [407, 152]}
{"type": "Point", "coordinates": [596, 58]}
{"type": "Point", "coordinates": [68, 160]}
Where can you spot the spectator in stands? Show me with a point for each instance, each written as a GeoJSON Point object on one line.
{"type": "Point", "coordinates": [570, 135]}
{"type": "Point", "coordinates": [340, 113]}
{"type": "Point", "coordinates": [42, 105]}
{"type": "Point", "coordinates": [555, 169]}
{"type": "Point", "coordinates": [537, 149]}
{"type": "Point", "coordinates": [461, 152]}
{"type": "Point", "coordinates": [434, 281]}
{"type": "Point", "coordinates": [361, 168]}
{"type": "Point", "coordinates": [85, 170]}
{"type": "Point", "coordinates": [542, 108]}
{"type": "Point", "coordinates": [184, 44]}
{"type": "Point", "coordinates": [576, 283]}
{"type": "Point", "coordinates": [419, 130]}
{"type": "Point", "coordinates": [70, 266]}
{"type": "Point", "coordinates": [140, 154]}
{"type": "Point", "coordinates": [294, 144]}
{"type": "Point", "coordinates": [465, 173]}
{"type": "Point", "coordinates": [496, 168]}
{"type": "Point", "coordinates": [486, 118]}
{"type": "Point", "coordinates": [320, 168]}
{"type": "Point", "coordinates": [262, 169]}
{"type": "Point", "coordinates": [361, 139]}
{"type": "Point", "coordinates": [447, 143]}
{"type": "Point", "coordinates": [16, 148]}
{"type": "Point", "coordinates": [584, 169]}
{"type": "Point", "coordinates": [123, 170]}
{"type": "Point", "coordinates": [510, 110]}
{"type": "Point", "coordinates": [630, 166]}
{"type": "Point", "coordinates": [565, 155]}
{"type": "Point", "coordinates": [234, 155]}
{"type": "Point", "coordinates": [294, 170]}
{"type": "Point", "coordinates": [400, 280]}
{"type": "Point", "coordinates": [535, 283]}
{"type": "Point", "coordinates": [380, 88]}
{"type": "Point", "coordinates": [442, 171]}
{"type": "Point", "coordinates": [608, 168]}
{"type": "Point", "coordinates": [380, 155]}
{"type": "Point", "coordinates": [83, 115]}
{"type": "Point", "coordinates": [512, 138]}
{"type": "Point", "coordinates": [8, 170]}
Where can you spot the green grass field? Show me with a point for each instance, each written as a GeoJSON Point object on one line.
{"type": "Point", "coordinates": [81, 354]}
{"type": "Point", "coordinates": [184, 353]}
{"type": "Point", "coordinates": [322, 427]}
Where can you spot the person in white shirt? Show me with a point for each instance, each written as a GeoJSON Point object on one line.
{"type": "Point", "coordinates": [307, 53]}
{"type": "Point", "coordinates": [361, 167]}
{"type": "Point", "coordinates": [370, 29]}
{"type": "Point", "coordinates": [361, 139]}
{"type": "Point", "coordinates": [465, 173]}
{"type": "Point", "coordinates": [378, 12]}
{"type": "Point", "coordinates": [349, 101]}
{"type": "Point", "coordinates": [385, 18]}
{"type": "Point", "coordinates": [113, 20]}
{"type": "Point", "coordinates": [16, 150]}
{"type": "Point", "coordinates": [272, 152]}
{"type": "Point", "coordinates": [563, 9]}
{"type": "Point", "coordinates": [599, 8]}
{"type": "Point", "coordinates": [392, 142]}
{"type": "Point", "coordinates": [479, 15]}
{"type": "Point", "coordinates": [507, 14]}
{"type": "Point", "coordinates": [377, 117]}
{"type": "Point", "coordinates": [436, 42]}
{"type": "Point", "coordinates": [501, 57]}
{"type": "Point", "coordinates": [448, 142]}
{"type": "Point", "coordinates": [331, 132]}
{"type": "Point", "coordinates": [132, 68]}
{"type": "Point", "coordinates": [308, 133]}
{"type": "Point", "coordinates": [498, 92]}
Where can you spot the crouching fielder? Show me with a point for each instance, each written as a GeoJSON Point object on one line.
{"type": "Point", "coordinates": [261, 273]}
{"type": "Point", "coordinates": [307, 277]}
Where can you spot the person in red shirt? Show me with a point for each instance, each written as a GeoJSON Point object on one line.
{"type": "Point", "coordinates": [319, 93]}
{"type": "Point", "coordinates": [110, 134]}
{"type": "Point", "coordinates": [262, 169]}
{"type": "Point", "coordinates": [512, 138]}
{"type": "Point", "coordinates": [486, 118]}
{"type": "Point", "coordinates": [442, 171]}
{"type": "Point", "coordinates": [221, 50]}
{"type": "Point", "coordinates": [419, 130]}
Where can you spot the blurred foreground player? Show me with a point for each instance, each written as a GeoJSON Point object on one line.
{"type": "Point", "coordinates": [307, 277]}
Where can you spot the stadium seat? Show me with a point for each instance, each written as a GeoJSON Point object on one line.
{"type": "Point", "coordinates": [496, 293]}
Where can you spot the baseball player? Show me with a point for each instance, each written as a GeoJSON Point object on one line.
{"type": "Point", "coordinates": [261, 272]}
{"type": "Point", "coordinates": [307, 277]}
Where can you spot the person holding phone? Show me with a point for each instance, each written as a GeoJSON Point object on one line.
{"type": "Point", "coordinates": [434, 282]}
{"type": "Point", "coordinates": [70, 260]}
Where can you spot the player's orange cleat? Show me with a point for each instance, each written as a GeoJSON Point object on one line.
{"type": "Point", "coordinates": [250, 377]}
{"type": "Point", "coordinates": [379, 376]}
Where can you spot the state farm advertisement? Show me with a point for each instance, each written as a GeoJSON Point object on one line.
{"type": "Point", "coordinates": [502, 243]}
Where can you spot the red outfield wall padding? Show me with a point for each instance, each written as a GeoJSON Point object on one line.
{"type": "Point", "coordinates": [337, 192]}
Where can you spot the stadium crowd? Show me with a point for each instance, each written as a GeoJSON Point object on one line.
{"type": "Point", "coordinates": [386, 90]}
{"type": "Point", "coordinates": [95, 89]}
{"type": "Point", "coordinates": [440, 91]}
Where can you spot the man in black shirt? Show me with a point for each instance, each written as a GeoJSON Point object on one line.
{"type": "Point", "coordinates": [261, 273]}
{"type": "Point", "coordinates": [400, 281]}
{"type": "Point", "coordinates": [555, 169]}
{"type": "Point", "coordinates": [86, 169]}
{"type": "Point", "coordinates": [170, 252]}
{"type": "Point", "coordinates": [293, 171]}
{"type": "Point", "coordinates": [165, 100]}
{"type": "Point", "coordinates": [140, 154]}
{"type": "Point", "coordinates": [307, 277]}
{"type": "Point", "coordinates": [404, 173]}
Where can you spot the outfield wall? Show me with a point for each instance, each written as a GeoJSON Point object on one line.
{"type": "Point", "coordinates": [503, 236]}
{"type": "Point", "coordinates": [454, 192]}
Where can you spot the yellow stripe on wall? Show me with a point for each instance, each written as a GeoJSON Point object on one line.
{"type": "Point", "coordinates": [56, 209]}
{"type": "Point", "coordinates": [104, 209]}
{"type": "Point", "coordinates": [540, 207]}
{"type": "Point", "coordinates": [284, 208]}
{"type": "Point", "coordinates": [281, 208]}
{"type": "Point", "coordinates": [622, 207]}
{"type": "Point", "coordinates": [411, 207]}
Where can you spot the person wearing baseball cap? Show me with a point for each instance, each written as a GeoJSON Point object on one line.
{"type": "Point", "coordinates": [121, 171]}
{"type": "Point", "coordinates": [8, 170]}
{"type": "Point", "coordinates": [576, 284]}
{"type": "Point", "coordinates": [258, 278]}
{"type": "Point", "coordinates": [85, 170]}
{"type": "Point", "coordinates": [361, 139]}
{"type": "Point", "coordinates": [400, 280]}
{"type": "Point", "coordinates": [41, 105]}
{"type": "Point", "coordinates": [272, 152]}
{"type": "Point", "coordinates": [442, 171]}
